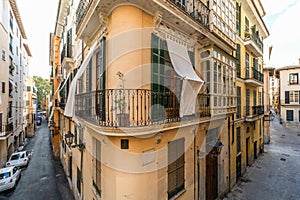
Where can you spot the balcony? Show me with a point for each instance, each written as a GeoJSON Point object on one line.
{"type": "Point", "coordinates": [254, 77]}
{"type": "Point", "coordinates": [199, 12]}
{"type": "Point", "coordinates": [6, 129]}
{"type": "Point", "coordinates": [67, 61]}
{"type": "Point", "coordinates": [91, 16]}
{"type": "Point", "coordinates": [254, 113]}
{"type": "Point", "coordinates": [134, 107]}
{"type": "Point", "coordinates": [253, 44]}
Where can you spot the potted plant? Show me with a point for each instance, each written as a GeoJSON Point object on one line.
{"type": "Point", "coordinates": [120, 103]}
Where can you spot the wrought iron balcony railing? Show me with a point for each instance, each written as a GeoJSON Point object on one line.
{"type": "Point", "coordinates": [6, 129]}
{"type": "Point", "coordinates": [254, 110]}
{"type": "Point", "coordinates": [81, 10]}
{"type": "Point", "coordinates": [199, 11]}
{"type": "Point", "coordinates": [255, 74]}
{"type": "Point", "coordinates": [133, 107]}
{"type": "Point", "coordinates": [255, 38]}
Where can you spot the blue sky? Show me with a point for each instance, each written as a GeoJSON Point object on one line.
{"type": "Point", "coordinates": [282, 20]}
{"type": "Point", "coordinates": [38, 17]}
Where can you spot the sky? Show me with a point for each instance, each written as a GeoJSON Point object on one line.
{"type": "Point", "coordinates": [282, 20]}
{"type": "Point", "coordinates": [38, 17]}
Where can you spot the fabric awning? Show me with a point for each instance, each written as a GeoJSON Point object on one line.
{"type": "Point", "coordinates": [191, 84]}
{"type": "Point", "coordinates": [69, 109]}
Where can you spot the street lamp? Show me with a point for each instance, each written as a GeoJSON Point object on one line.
{"type": "Point", "coordinates": [69, 138]}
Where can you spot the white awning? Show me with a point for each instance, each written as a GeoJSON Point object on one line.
{"type": "Point", "coordinates": [61, 86]}
{"type": "Point", "coordinates": [69, 109]}
{"type": "Point", "coordinates": [191, 81]}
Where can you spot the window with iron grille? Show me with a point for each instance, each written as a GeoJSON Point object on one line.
{"type": "Point", "coordinates": [175, 167]}
{"type": "Point", "coordinates": [97, 165]}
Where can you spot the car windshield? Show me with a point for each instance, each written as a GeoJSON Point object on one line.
{"type": "Point", "coordinates": [15, 157]}
{"type": "Point", "coordinates": [4, 175]}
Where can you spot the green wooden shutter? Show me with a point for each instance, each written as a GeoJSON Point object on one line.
{"type": "Point", "coordinates": [287, 97]}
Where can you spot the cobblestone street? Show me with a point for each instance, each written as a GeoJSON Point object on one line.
{"type": "Point", "coordinates": [275, 175]}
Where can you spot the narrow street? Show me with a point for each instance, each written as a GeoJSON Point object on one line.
{"type": "Point", "coordinates": [275, 175]}
{"type": "Point", "coordinates": [44, 177]}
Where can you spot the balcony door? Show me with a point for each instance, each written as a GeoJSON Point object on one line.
{"type": "Point", "coordinates": [165, 84]}
{"type": "Point", "coordinates": [100, 80]}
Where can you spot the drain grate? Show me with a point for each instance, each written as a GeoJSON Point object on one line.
{"type": "Point", "coordinates": [282, 159]}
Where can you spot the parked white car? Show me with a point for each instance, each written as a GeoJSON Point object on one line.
{"type": "Point", "coordinates": [19, 159]}
{"type": "Point", "coordinates": [9, 176]}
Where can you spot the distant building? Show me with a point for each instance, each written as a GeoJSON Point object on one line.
{"type": "Point", "coordinates": [289, 94]}
{"type": "Point", "coordinates": [14, 63]}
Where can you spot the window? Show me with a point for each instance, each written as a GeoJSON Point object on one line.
{"type": "Point", "coordinates": [11, 43]}
{"type": "Point", "coordinates": [175, 167]}
{"type": "Point", "coordinates": [124, 143]}
{"type": "Point", "coordinates": [238, 99]}
{"type": "Point", "coordinates": [3, 86]}
{"type": "Point", "coordinates": [28, 88]}
{"type": "Point", "coordinates": [247, 65]}
{"type": "Point", "coordinates": [163, 80]}
{"type": "Point", "coordinates": [78, 180]}
{"type": "Point", "coordinates": [293, 78]}
{"type": "Point", "coordinates": [238, 19]}
{"type": "Point", "coordinates": [254, 98]}
{"type": "Point", "coordinates": [238, 139]}
{"type": "Point", "coordinates": [101, 79]}
{"type": "Point", "coordinates": [238, 62]}
{"type": "Point", "coordinates": [286, 97]}
{"type": "Point", "coordinates": [11, 21]}
{"type": "Point", "coordinates": [97, 165]}
{"type": "Point", "coordinates": [294, 97]}
{"type": "Point", "coordinates": [289, 115]}
{"type": "Point", "coordinates": [247, 102]}
{"type": "Point", "coordinates": [3, 55]}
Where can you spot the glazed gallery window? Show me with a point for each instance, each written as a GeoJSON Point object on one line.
{"type": "Point", "coordinates": [175, 167]}
{"type": "Point", "coordinates": [293, 78]}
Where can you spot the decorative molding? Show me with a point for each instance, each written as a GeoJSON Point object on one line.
{"type": "Point", "coordinates": [157, 19]}
{"type": "Point", "coordinates": [166, 32]}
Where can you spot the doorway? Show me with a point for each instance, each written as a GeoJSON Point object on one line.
{"type": "Point", "coordinates": [211, 177]}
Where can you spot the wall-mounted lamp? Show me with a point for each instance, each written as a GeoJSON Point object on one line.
{"type": "Point", "coordinates": [217, 148]}
{"type": "Point", "coordinates": [69, 138]}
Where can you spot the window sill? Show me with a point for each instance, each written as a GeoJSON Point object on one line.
{"type": "Point", "coordinates": [178, 194]}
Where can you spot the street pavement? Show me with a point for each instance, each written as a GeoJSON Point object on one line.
{"type": "Point", "coordinates": [44, 177]}
{"type": "Point", "coordinates": [275, 175]}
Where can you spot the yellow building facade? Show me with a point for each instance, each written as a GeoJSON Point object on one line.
{"type": "Point", "coordinates": [248, 139]}
{"type": "Point", "coordinates": [148, 98]}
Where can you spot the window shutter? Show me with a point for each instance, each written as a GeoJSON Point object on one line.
{"type": "Point", "coordinates": [287, 97]}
